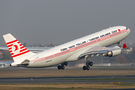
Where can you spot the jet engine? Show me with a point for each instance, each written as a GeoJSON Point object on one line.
{"type": "Point", "coordinates": [113, 53]}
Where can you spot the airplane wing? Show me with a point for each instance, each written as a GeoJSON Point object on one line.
{"type": "Point", "coordinates": [105, 51]}
{"type": "Point", "coordinates": [32, 49]}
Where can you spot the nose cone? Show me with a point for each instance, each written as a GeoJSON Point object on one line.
{"type": "Point", "coordinates": [128, 31]}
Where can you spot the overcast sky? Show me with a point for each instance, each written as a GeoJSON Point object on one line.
{"type": "Point", "coordinates": [59, 21]}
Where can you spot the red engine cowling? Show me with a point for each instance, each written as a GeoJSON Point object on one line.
{"type": "Point", "coordinates": [113, 53]}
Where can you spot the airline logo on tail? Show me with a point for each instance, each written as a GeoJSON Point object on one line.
{"type": "Point", "coordinates": [16, 48]}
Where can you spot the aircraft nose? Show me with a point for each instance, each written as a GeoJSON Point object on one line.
{"type": "Point", "coordinates": [128, 31]}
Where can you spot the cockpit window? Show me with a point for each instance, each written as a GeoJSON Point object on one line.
{"type": "Point", "coordinates": [126, 28]}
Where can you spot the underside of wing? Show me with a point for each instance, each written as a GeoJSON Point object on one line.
{"type": "Point", "coordinates": [99, 50]}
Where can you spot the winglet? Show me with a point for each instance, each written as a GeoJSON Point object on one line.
{"type": "Point", "coordinates": [124, 46]}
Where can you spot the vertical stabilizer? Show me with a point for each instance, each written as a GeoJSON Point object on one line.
{"type": "Point", "coordinates": [17, 50]}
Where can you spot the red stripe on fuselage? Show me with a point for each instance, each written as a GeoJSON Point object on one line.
{"type": "Point", "coordinates": [80, 46]}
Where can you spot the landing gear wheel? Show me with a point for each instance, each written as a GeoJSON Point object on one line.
{"type": "Point", "coordinates": [61, 67]}
{"type": "Point", "coordinates": [88, 68]}
{"type": "Point", "coordinates": [84, 67]}
{"type": "Point", "coordinates": [91, 63]}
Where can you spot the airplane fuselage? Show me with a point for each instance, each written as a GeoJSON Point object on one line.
{"type": "Point", "coordinates": [70, 51]}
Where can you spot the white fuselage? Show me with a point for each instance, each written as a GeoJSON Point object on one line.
{"type": "Point", "coordinates": [72, 50]}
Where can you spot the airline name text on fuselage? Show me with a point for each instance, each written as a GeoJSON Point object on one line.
{"type": "Point", "coordinates": [92, 39]}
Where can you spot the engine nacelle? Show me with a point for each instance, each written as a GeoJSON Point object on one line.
{"type": "Point", "coordinates": [113, 53]}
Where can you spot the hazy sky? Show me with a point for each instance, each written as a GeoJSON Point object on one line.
{"type": "Point", "coordinates": [59, 21]}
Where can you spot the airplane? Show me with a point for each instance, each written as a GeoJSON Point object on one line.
{"type": "Point", "coordinates": [83, 48]}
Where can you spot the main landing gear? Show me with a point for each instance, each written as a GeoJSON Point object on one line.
{"type": "Point", "coordinates": [62, 66]}
{"type": "Point", "coordinates": [88, 64]}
